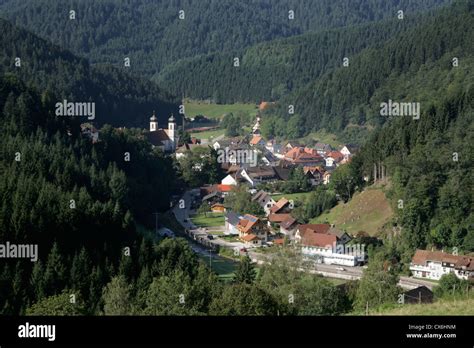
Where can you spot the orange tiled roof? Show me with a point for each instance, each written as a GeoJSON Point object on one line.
{"type": "Point", "coordinates": [249, 237]}
{"type": "Point", "coordinates": [279, 205]}
{"type": "Point", "coordinates": [255, 140]}
{"type": "Point", "coordinates": [278, 217]}
{"type": "Point", "coordinates": [422, 256]}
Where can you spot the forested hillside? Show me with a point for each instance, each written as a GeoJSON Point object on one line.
{"type": "Point", "coordinates": [415, 66]}
{"type": "Point", "coordinates": [61, 189]}
{"type": "Point", "coordinates": [272, 70]}
{"type": "Point", "coordinates": [429, 162]}
{"type": "Point", "coordinates": [121, 99]}
{"type": "Point", "coordinates": [152, 34]}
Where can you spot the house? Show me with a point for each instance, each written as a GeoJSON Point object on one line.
{"type": "Point", "coordinates": [420, 294]}
{"type": "Point", "coordinates": [322, 148]}
{"type": "Point", "coordinates": [283, 206]}
{"type": "Point", "coordinates": [303, 156]}
{"type": "Point", "coordinates": [288, 227]}
{"type": "Point", "coordinates": [214, 193]}
{"type": "Point", "coordinates": [291, 145]}
{"type": "Point", "coordinates": [229, 142]}
{"type": "Point", "coordinates": [218, 208]}
{"type": "Point", "coordinates": [435, 264]}
{"type": "Point", "coordinates": [231, 221]}
{"type": "Point", "coordinates": [252, 230]}
{"type": "Point", "coordinates": [165, 139]}
{"type": "Point", "coordinates": [229, 180]}
{"type": "Point", "coordinates": [314, 174]}
{"type": "Point", "coordinates": [333, 158]}
{"type": "Point", "coordinates": [212, 198]}
{"type": "Point", "coordinates": [349, 150]}
{"type": "Point", "coordinates": [282, 172]}
{"type": "Point", "coordinates": [342, 236]}
{"type": "Point", "coordinates": [257, 175]}
{"type": "Point", "coordinates": [257, 140]}
{"type": "Point", "coordinates": [264, 200]}
{"type": "Point", "coordinates": [270, 159]}
{"type": "Point", "coordinates": [318, 242]}
{"type": "Point", "coordinates": [277, 219]}
{"type": "Point", "coordinates": [274, 148]}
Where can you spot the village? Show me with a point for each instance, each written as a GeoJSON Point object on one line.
{"type": "Point", "coordinates": [261, 167]}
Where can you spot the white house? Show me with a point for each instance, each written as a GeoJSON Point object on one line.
{"type": "Point", "coordinates": [349, 150]}
{"type": "Point", "coordinates": [229, 180]}
{"type": "Point", "coordinates": [435, 264]}
{"type": "Point", "coordinates": [264, 200]}
{"type": "Point", "coordinates": [231, 221]}
{"type": "Point", "coordinates": [320, 244]}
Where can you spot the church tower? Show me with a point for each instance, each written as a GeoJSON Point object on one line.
{"type": "Point", "coordinates": [153, 123]}
{"type": "Point", "coordinates": [172, 129]}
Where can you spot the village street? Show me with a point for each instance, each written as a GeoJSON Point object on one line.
{"type": "Point", "coordinates": [182, 213]}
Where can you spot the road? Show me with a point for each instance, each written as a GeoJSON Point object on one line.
{"type": "Point", "coordinates": [332, 271]}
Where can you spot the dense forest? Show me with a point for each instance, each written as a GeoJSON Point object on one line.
{"type": "Point", "coordinates": [429, 163]}
{"type": "Point", "coordinates": [121, 99]}
{"type": "Point", "coordinates": [272, 70]}
{"type": "Point", "coordinates": [421, 65]}
{"type": "Point", "coordinates": [406, 60]}
{"type": "Point", "coordinates": [152, 34]}
{"type": "Point", "coordinates": [81, 203]}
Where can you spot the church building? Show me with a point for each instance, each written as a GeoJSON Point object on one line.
{"type": "Point", "coordinates": [166, 139]}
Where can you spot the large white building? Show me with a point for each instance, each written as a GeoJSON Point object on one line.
{"type": "Point", "coordinates": [435, 264]}
{"type": "Point", "coordinates": [324, 244]}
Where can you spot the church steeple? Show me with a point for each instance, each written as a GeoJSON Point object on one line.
{"type": "Point", "coordinates": [172, 128]}
{"type": "Point", "coordinates": [153, 122]}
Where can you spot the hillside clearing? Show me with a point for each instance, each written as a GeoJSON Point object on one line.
{"type": "Point", "coordinates": [367, 211]}
{"type": "Point", "coordinates": [216, 111]}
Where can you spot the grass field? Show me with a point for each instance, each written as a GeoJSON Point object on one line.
{"type": "Point", "coordinates": [211, 220]}
{"type": "Point", "coordinates": [214, 111]}
{"type": "Point", "coordinates": [441, 307]}
{"type": "Point", "coordinates": [209, 134]}
{"type": "Point", "coordinates": [297, 197]}
{"type": "Point", "coordinates": [367, 211]}
{"type": "Point", "coordinates": [224, 267]}
{"type": "Point", "coordinates": [325, 137]}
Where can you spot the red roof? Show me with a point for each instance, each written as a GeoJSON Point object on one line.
{"type": "Point", "coordinates": [422, 256]}
{"type": "Point", "coordinates": [316, 228]}
{"type": "Point", "coordinates": [279, 205]}
{"type": "Point", "coordinates": [224, 188]}
{"type": "Point", "coordinates": [249, 237]}
{"type": "Point", "coordinates": [279, 241]}
{"type": "Point", "coordinates": [324, 240]}
{"type": "Point", "coordinates": [278, 217]}
{"type": "Point", "coordinates": [256, 139]}
{"type": "Point", "coordinates": [336, 155]}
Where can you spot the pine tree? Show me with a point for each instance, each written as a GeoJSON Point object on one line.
{"type": "Point", "coordinates": [245, 272]}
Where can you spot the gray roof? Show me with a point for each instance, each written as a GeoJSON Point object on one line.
{"type": "Point", "coordinates": [232, 218]}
